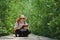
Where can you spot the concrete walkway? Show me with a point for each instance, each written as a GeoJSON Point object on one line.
{"type": "Point", "coordinates": [31, 37]}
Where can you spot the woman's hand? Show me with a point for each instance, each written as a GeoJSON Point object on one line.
{"type": "Point", "coordinates": [25, 28]}
{"type": "Point", "coordinates": [15, 29]}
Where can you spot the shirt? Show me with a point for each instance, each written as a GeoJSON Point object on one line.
{"type": "Point", "coordinates": [20, 25]}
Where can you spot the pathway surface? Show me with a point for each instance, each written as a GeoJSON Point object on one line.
{"type": "Point", "coordinates": [31, 37]}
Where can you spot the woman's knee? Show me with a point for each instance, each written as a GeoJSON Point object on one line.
{"type": "Point", "coordinates": [28, 31]}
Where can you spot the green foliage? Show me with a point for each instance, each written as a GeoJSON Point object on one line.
{"type": "Point", "coordinates": [43, 16]}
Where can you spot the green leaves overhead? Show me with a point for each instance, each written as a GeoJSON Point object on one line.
{"type": "Point", "coordinates": [43, 16]}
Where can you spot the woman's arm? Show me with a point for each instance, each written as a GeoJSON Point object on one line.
{"type": "Point", "coordinates": [26, 26]}
{"type": "Point", "coordinates": [15, 27]}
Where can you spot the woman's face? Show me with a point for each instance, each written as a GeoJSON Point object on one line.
{"type": "Point", "coordinates": [22, 19]}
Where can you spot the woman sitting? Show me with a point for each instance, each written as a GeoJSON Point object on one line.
{"type": "Point", "coordinates": [21, 27]}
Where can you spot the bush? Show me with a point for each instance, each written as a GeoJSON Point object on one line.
{"type": "Point", "coordinates": [43, 16]}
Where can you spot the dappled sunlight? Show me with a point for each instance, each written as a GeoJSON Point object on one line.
{"type": "Point", "coordinates": [43, 17]}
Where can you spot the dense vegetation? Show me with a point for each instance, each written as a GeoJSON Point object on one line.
{"type": "Point", "coordinates": [43, 16]}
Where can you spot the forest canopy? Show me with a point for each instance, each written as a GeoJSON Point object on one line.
{"type": "Point", "coordinates": [43, 16]}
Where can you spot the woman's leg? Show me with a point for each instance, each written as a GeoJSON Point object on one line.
{"type": "Point", "coordinates": [16, 32]}
{"type": "Point", "coordinates": [20, 33]}
{"type": "Point", "coordinates": [26, 33]}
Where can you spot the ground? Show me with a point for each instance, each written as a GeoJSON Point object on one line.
{"type": "Point", "coordinates": [30, 37]}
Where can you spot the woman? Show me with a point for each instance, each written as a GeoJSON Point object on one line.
{"type": "Point", "coordinates": [21, 27]}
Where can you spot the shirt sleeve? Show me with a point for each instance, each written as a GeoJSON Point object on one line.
{"type": "Point", "coordinates": [16, 25]}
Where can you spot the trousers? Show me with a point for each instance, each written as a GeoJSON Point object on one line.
{"type": "Point", "coordinates": [22, 33]}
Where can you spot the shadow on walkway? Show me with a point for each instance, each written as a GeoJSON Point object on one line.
{"type": "Point", "coordinates": [30, 37]}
